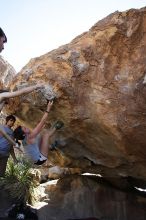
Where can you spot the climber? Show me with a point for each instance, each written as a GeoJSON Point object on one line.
{"type": "Point", "coordinates": [36, 143]}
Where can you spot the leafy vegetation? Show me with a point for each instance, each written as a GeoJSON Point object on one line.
{"type": "Point", "coordinates": [19, 182]}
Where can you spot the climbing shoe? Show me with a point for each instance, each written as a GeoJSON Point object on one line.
{"type": "Point", "coordinates": [54, 145]}
{"type": "Point", "coordinates": [58, 125]}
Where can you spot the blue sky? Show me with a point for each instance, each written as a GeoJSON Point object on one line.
{"type": "Point", "coordinates": [35, 27]}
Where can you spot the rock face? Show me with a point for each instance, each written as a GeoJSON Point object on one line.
{"type": "Point", "coordinates": [81, 197]}
{"type": "Point", "coordinates": [7, 73]}
{"type": "Point", "coordinates": [99, 81]}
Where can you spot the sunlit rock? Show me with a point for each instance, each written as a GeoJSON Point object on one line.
{"type": "Point", "coordinates": [99, 82]}
{"type": "Point", "coordinates": [82, 197]}
{"type": "Point", "coordinates": [7, 73]}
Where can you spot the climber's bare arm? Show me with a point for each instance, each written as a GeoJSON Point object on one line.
{"type": "Point", "coordinates": [19, 92]}
{"type": "Point", "coordinates": [11, 141]}
{"type": "Point", "coordinates": [42, 122]}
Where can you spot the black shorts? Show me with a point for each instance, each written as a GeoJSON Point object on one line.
{"type": "Point", "coordinates": [42, 159]}
{"type": "Point", "coordinates": [40, 162]}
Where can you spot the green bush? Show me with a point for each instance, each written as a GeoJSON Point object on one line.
{"type": "Point", "coordinates": [19, 182]}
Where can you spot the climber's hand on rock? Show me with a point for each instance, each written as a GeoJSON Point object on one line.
{"type": "Point", "coordinates": [50, 103]}
{"type": "Point", "coordinates": [39, 86]}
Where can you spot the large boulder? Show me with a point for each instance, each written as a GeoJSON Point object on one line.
{"type": "Point", "coordinates": [99, 81]}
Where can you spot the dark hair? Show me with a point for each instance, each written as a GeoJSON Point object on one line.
{"type": "Point", "coordinates": [2, 34]}
{"type": "Point", "coordinates": [10, 117]}
{"type": "Point", "coordinates": [19, 133]}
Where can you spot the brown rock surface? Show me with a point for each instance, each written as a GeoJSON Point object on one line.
{"type": "Point", "coordinates": [81, 197]}
{"type": "Point", "coordinates": [99, 82]}
{"type": "Point", "coordinates": [7, 73]}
